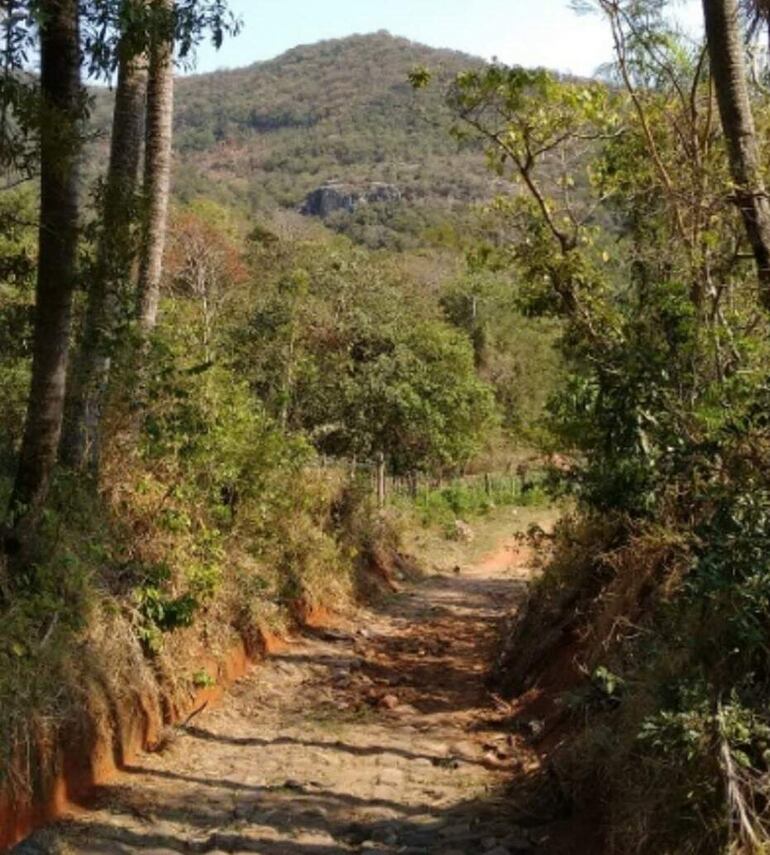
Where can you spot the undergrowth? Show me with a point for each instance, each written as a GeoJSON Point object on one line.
{"type": "Point", "coordinates": [652, 638]}
{"type": "Point", "coordinates": [466, 498]}
{"type": "Point", "coordinates": [209, 525]}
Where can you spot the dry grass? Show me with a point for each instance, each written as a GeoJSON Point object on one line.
{"type": "Point", "coordinates": [72, 652]}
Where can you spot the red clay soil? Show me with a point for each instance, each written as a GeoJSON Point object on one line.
{"type": "Point", "coordinates": [92, 757]}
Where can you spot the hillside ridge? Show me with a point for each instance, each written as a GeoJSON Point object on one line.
{"type": "Point", "coordinates": [382, 35]}
{"type": "Point", "coordinates": [264, 136]}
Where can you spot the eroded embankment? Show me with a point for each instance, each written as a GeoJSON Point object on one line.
{"type": "Point", "coordinates": [378, 734]}
{"type": "Point", "coordinates": [117, 730]}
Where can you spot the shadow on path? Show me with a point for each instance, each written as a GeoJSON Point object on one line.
{"type": "Point", "coordinates": [377, 736]}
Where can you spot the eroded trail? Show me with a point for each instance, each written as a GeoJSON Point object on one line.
{"type": "Point", "coordinates": [377, 736]}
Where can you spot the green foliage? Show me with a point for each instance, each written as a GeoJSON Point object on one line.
{"type": "Point", "coordinates": [731, 574]}
{"type": "Point", "coordinates": [701, 747]}
{"type": "Point", "coordinates": [211, 434]}
{"type": "Point", "coordinates": [472, 496]}
{"type": "Point", "coordinates": [337, 109]}
{"type": "Point", "coordinates": [621, 224]}
{"type": "Point", "coordinates": [419, 401]}
{"type": "Point", "coordinates": [608, 685]}
{"type": "Point", "coordinates": [345, 351]}
{"type": "Point", "coordinates": [203, 680]}
{"type": "Point", "coordinates": [138, 24]}
{"type": "Point", "coordinates": [404, 225]}
{"type": "Point", "coordinates": [603, 691]}
{"type": "Point", "coordinates": [157, 612]}
{"type": "Point", "coordinates": [516, 354]}
{"type": "Point", "coordinates": [18, 252]}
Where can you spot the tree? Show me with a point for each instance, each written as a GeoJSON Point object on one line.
{"type": "Point", "coordinates": [18, 91]}
{"type": "Point", "coordinates": [418, 401]}
{"type": "Point", "coordinates": [634, 166]}
{"type": "Point", "coordinates": [109, 286]}
{"type": "Point", "coordinates": [728, 69]}
{"type": "Point", "coordinates": [203, 264]}
{"type": "Point", "coordinates": [62, 105]}
{"type": "Point", "coordinates": [514, 353]}
{"type": "Point", "coordinates": [346, 350]}
{"type": "Point", "coordinates": [121, 33]}
{"type": "Point", "coordinates": [543, 151]}
{"type": "Point", "coordinates": [157, 163]}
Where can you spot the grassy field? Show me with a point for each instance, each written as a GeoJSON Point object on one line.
{"type": "Point", "coordinates": [437, 552]}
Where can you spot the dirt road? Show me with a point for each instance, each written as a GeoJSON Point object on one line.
{"type": "Point", "coordinates": [378, 736]}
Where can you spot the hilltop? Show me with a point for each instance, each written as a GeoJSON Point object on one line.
{"type": "Point", "coordinates": [341, 108]}
{"type": "Point", "coordinates": [263, 137]}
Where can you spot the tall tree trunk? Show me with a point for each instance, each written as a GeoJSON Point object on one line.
{"type": "Point", "coordinates": [109, 289]}
{"type": "Point", "coordinates": [157, 170]}
{"type": "Point", "coordinates": [728, 69]}
{"type": "Point", "coordinates": [62, 103]}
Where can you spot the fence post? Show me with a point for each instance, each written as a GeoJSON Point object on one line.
{"type": "Point", "coordinates": [380, 480]}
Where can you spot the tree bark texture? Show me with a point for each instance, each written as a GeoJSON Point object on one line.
{"type": "Point", "coordinates": [62, 105]}
{"type": "Point", "coordinates": [728, 69]}
{"type": "Point", "coordinates": [157, 172]}
{"type": "Point", "coordinates": [110, 290]}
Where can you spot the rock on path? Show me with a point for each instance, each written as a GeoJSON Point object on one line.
{"type": "Point", "coordinates": [376, 737]}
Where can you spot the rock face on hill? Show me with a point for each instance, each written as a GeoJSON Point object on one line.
{"type": "Point", "coordinates": [339, 196]}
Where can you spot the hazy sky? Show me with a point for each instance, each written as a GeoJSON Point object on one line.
{"type": "Point", "coordinates": [525, 32]}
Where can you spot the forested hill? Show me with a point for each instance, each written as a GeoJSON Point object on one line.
{"type": "Point", "coordinates": [266, 135]}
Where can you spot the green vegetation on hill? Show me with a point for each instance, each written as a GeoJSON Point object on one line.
{"type": "Point", "coordinates": [261, 138]}
{"type": "Point", "coordinates": [268, 134]}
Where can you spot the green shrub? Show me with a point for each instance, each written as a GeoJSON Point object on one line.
{"type": "Point", "coordinates": [473, 496]}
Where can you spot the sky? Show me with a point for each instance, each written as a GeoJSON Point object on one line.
{"type": "Point", "coordinates": [521, 32]}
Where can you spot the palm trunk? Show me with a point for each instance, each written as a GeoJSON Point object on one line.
{"type": "Point", "coordinates": [62, 103]}
{"type": "Point", "coordinates": [728, 69]}
{"type": "Point", "coordinates": [157, 172]}
{"type": "Point", "coordinates": [108, 291]}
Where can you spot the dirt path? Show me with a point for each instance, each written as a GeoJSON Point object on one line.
{"type": "Point", "coordinates": [378, 739]}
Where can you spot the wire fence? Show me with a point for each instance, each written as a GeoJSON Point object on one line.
{"type": "Point", "coordinates": [510, 485]}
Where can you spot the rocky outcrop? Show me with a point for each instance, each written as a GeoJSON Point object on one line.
{"type": "Point", "coordinates": [340, 196]}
